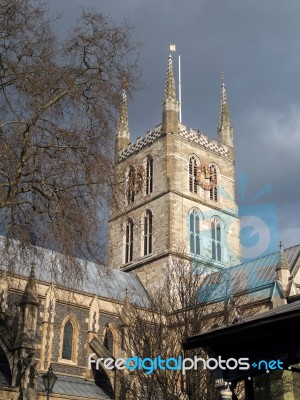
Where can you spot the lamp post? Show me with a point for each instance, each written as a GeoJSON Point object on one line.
{"type": "Point", "coordinates": [49, 379]}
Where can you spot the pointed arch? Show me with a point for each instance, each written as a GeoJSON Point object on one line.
{"type": "Point", "coordinates": [108, 341]}
{"type": "Point", "coordinates": [112, 339]}
{"type": "Point", "coordinates": [147, 235]}
{"type": "Point", "coordinates": [193, 165]}
{"type": "Point", "coordinates": [217, 239]}
{"type": "Point", "coordinates": [149, 175]}
{"type": "Point", "coordinates": [69, 340]}
{"type": "Point", "coordinates": [129, 240]}
{"type": "Point", "coordinates": [215, 179]}
{"type": "Point", "coordinates": [68, 337]}
{"type": "Point", "coordinates": [131, 184]}
{"type": "Point", "coordinates": [195, 218]}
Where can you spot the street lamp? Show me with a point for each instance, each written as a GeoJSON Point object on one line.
{"type": "Point", "coordinates": [49, 379]}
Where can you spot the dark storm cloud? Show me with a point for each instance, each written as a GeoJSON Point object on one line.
{"type": "Point", "coordinates": [256, 44]}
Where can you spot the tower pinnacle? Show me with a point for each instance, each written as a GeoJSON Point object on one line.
{"type": "Point", "coordinates": [30, 293]}
{"type": "Point", "coordinates": [28, 314]}
{"type": "Point", "coordinates": [123, 135]}
{"type": "Point", "coordinates": [225, 130]}
{"type": "Point", "coordinates": [283, 271]}
{"type": "Point", "coordinates": [170, 91]}
{"type": "Point", "coordinates": [170, 103]}
{"type": "Point", "coordinates": [224, 114]}
{"type": "Point", "coordinates": [283, 263]}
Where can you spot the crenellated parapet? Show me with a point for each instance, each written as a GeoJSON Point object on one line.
{"type": "Point", "coordinates": [140, 143]}
{"type": "Point", "coordinates": [190, 134]}
{"type": "Point", "coordinates": [202, 140]}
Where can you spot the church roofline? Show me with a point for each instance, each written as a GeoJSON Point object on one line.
{"type": "Point", "coordinates": [116, 299]}
{"type": "Point", "coordinates": [191, 135]}
{"type": "Point", "coordinates": [100, 280]}
{"type": "Point", "coordinates": [252, 276]}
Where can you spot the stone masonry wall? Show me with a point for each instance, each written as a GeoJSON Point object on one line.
{"type": "Point", "coordinates": [171, 200]}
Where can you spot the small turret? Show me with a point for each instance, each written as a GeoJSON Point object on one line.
{"type": "Point", "coordinates": [225, 130]}
{"type": "Point", "coordinates": [170, 104]}
{"type": "Point", "coordinates": [26, 363]}
{"type": "Point", "coordinates": [30, 296]}
{"type": "Point", "coordinates": [29, 306]}
{"type": "Point", "coordinates": [283, 269]}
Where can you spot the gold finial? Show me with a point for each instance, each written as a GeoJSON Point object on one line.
{"type": "Point", "coordinates": [172, 47]}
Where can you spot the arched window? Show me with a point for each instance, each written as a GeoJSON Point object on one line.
{"type": "Point", "coordinates": [149, 175]}
{"type": "Point", "coordinates": [67, 348]}
{"type": "Point", "coordinates": [108, 342]}
{"type": "Point", "coordinates": [195, 233]}
{"type": "Point", "coordinates": [213, 193]}
{"type": "Point", "coordinates": [216, 238]}
{"type": "Point", "coordinates": [193, 184]}
{"type": "Point", "coordinates": [129, 241]}
{"type": "Point", "coordinates": [148, 232]}
{"type": "Point", "coordinates": [131, 185]}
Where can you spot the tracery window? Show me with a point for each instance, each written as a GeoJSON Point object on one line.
{"type": "Point", "coordinates": [109, 341]}
{"type": "Point", "coordinates": [194, 220]}
{"type": "Point", "coordinates": [129, 241]}
{"type": "Point", "coordinates": [193, 184]}
{"type": "Point", "coordinates": [148, 232]}
{"type": "Point", "coordinates": [216, 237]}
{"type": "Point", "coordinates": [213, 193]}
{"type": "Point", "coordinates": [131, 185]}
{"type": "Point", "coordinates": [67, 348]}
{"type": "Point", "coordinates": [149, 175]}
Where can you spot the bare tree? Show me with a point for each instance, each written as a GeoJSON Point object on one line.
{"type": "Point", "coordinates": [178, 311]}
{"type": "Point", "coordinates": [194, 297]}
{"type": "Point", "coordinates": [58, 101]}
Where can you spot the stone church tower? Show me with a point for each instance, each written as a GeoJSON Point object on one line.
{"type": "Point", "coordinates": [176, 194]}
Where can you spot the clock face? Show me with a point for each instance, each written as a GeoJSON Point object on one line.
{"type": "Point", "coordinates": [136, 178]}
{"type": "Point", "coordinates": [206, 176]}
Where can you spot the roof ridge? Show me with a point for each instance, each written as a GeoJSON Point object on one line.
{"type": "Point", "coordinates": [264, 256]}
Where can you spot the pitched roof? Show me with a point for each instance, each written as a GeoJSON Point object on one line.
{"type": "Point", "coordinates": [97, 279]}
{"type": "Point", "coordinates": [72, 386]}
{"type": "Point", "coordinates": [256, 277]}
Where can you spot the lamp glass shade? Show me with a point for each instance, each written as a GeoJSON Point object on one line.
{"type": "Point", "coordinates": [49, 380]}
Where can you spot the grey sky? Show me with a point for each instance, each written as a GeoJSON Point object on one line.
{"type": "Point", "coordinates": [257, 45]}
